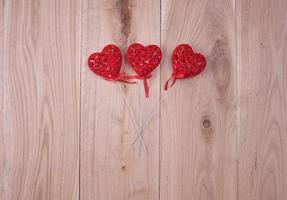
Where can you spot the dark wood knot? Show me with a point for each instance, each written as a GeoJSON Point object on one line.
{"type": "Point", "coordinates": [206, 126]}
{"type": "Point", "coordinates": [206, 123]}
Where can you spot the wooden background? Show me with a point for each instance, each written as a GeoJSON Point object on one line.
{"type": "Point", "coordinates": [66, 134]}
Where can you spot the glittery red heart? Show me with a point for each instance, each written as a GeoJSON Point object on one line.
{"type": "Point", "coordinates": [186, 63]}
{"type": "Point", "coordinates": [107, 63]}
{"type": "Point", "coordinates": [143, 60]}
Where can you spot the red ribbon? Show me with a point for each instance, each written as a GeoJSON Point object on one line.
{"type": "Point", "coordinates": [144, 78]}
{"type": "Point", "coordinates": [122, 78]}
{"type": "Point", "coordinates": [173, 78]}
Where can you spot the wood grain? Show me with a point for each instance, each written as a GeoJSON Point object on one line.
{"type": "Point", "coordinates": [67, 134]}
{"type": "Point", "coordinates": [41, 100]}
{"type": "Point", "coordinates": [111, 168]}
{"type": "Point", "coordinates": [262, 55]}
{"type": "Point", "coordinates": [1, 94]}
{"type": "Point", "coordinates": [198, 115]}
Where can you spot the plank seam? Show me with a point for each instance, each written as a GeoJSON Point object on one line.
{"type": "Point", "coordinates": [80, 98]}
{"type": "Point", "coordinates": [237, 40]}
{"type": "Point", "coordinates": [159, 104]}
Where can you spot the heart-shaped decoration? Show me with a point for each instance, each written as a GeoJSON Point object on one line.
{"type": "Point", "coordinates": [143, 60]}
{"type": "Point", "coordinates": [107, 63]}
{"type": "Point", "coordinates": [185, 63]}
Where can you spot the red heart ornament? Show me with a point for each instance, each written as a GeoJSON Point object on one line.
{"type": "Point", "coordinates": [107, 64]}
{"type": "Point", "coordinates": [185, 63]}
{"type": "Point", "coordinates": [143, 60]}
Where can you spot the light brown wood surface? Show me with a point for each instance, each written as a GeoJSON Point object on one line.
{"type": "Point", "coordinates": [68, 134]}
{"type": "Point", "coordinates": [111, 167]}
{"type": "Point", "coordinates": [198, 116]}
{"type": "Point", "coordinates": [262, 57]}
{"type": "Point", "coordinates": [1, 93]}
{"type": "Point", "coordinates": [40, 127]}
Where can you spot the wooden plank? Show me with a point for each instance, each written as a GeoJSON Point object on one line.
{"type": "Point", "coordinates": [41, 100]}
{"type": "Point", "coordinates": [1, 94]}
{"type": "Point", "coordinates": [111, 168]}
{"type": "Point", "coordinates": [263, 103]}
{"type": "Point", "coordinates": [198, 115]}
